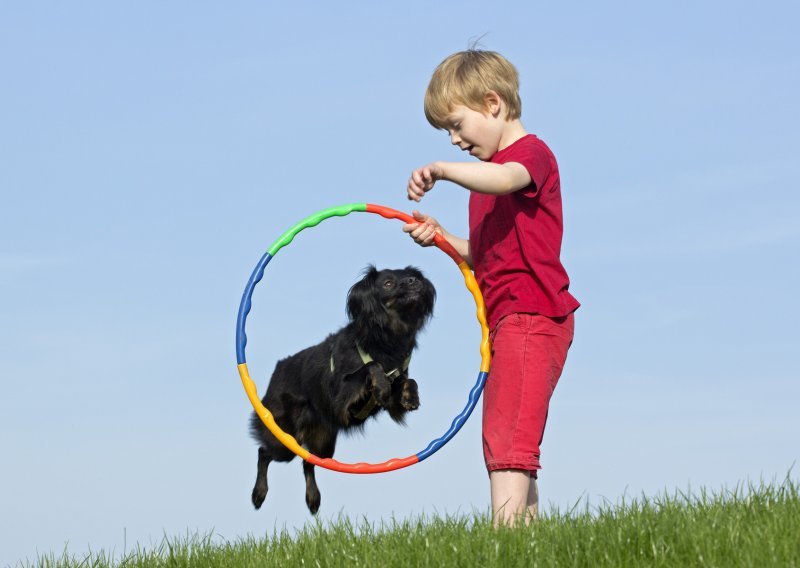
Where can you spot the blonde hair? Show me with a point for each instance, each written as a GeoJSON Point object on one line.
{"type": "Point", "coordinates": [465, 78]}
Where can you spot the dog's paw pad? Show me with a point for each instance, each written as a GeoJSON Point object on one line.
{"type": "Point", "coordinates": [410, 397]}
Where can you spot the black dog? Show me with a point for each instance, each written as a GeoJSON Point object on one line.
{"type": "Point", "coordinates": [352, 375]}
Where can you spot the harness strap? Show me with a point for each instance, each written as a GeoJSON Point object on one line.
{"type": "Point", "coordinates": [364, 412]}
{"type": "Point", "coordinates": [393, 374]}
{"type": "Point", "coordinates": [366, 358]}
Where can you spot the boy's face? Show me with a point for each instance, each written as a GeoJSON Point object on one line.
{"type": "Point", "coordinates": [478, 133]}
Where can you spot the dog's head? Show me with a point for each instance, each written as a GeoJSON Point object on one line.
{"type": "Point", "coordinates": [401, 300]}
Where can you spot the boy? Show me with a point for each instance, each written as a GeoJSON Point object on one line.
{"type": "Point", "coordinates": [515, 230]}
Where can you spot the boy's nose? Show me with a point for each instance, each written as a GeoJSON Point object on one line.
{"type": "Point", "coordinates": [455, 140]}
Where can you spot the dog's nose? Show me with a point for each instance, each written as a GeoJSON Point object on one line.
{"type": "Point", "coordinates": [412, 283]}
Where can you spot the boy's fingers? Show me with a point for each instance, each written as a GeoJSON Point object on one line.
{"type": "Point", "coordinates": [425, 235]}
{"type": "Point", "coordinates": [422, 179]}
{"type": "Point", "coordinates": [416, 184]}
{"type": "Point", "coordinates": [420, 182]}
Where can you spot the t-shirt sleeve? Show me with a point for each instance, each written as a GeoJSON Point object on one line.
{"type": "Point", "coordinates": [537, 159]}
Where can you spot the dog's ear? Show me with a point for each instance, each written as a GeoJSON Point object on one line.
{"type": "Point", "coordinates": [428, 292]}
{"type": "Point", "coordinates": [429, 298]}
{"type": "Point", "coordinates": [363, 301]}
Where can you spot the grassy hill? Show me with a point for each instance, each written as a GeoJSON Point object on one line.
{"type": "Point", "coordinates": [757, 525]}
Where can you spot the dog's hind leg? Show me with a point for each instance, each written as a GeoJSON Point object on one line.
{"type": "Point", "coordinates": [313, 498]}
{"type": "Point", "coordinates": [322, 444]}
{"type": "Point", "coordinates": [261, 488]}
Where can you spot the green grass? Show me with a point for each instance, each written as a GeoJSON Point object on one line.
{"type": "Point", "coordinates": [756, 525]}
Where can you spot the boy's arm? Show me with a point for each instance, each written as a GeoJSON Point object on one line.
{"type": "Point", "coordinates": [461, 246]}
{"type": "Point", "coordinates": [481, 177]}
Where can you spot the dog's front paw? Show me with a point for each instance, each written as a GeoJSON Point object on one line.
{"type": "Point", "coordinates": [379, 385]}
{"type": "Point", "coordinates": [409, 396]}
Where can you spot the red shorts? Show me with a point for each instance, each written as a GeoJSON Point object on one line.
{"type": "Point", "coordinates": [528, 354]}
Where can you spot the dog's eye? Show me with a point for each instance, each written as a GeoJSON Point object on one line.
{"type": "Point", "coordinates": [388, 284]}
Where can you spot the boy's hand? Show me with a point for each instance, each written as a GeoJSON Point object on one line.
{"type": "Point", "coordinates": [424, 231]}
{"type": "Point", "coordinates": [422, 180]}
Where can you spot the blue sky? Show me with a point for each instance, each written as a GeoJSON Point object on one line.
{"type": "Point", "coordinates": [150, 153]}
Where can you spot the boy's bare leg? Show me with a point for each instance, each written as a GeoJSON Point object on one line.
{"type": "Point", "coordinates": [533, 502]}
{"type": "Point", "coordinates": [511, 496]}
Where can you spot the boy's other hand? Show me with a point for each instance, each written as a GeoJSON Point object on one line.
{"type": "Point", "coordinates": [424, 231]}
{"type": "Point", "coordinates": [422, 180]}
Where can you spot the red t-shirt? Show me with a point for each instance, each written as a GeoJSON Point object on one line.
{"type": "Point", "coordinates": [515, 239]}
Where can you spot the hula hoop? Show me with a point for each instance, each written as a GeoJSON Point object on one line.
{"type": "Point", "coordinates": [250, 387]}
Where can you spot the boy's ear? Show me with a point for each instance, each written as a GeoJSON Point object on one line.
{"type": "Point", "coordinates": [493, 103]}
